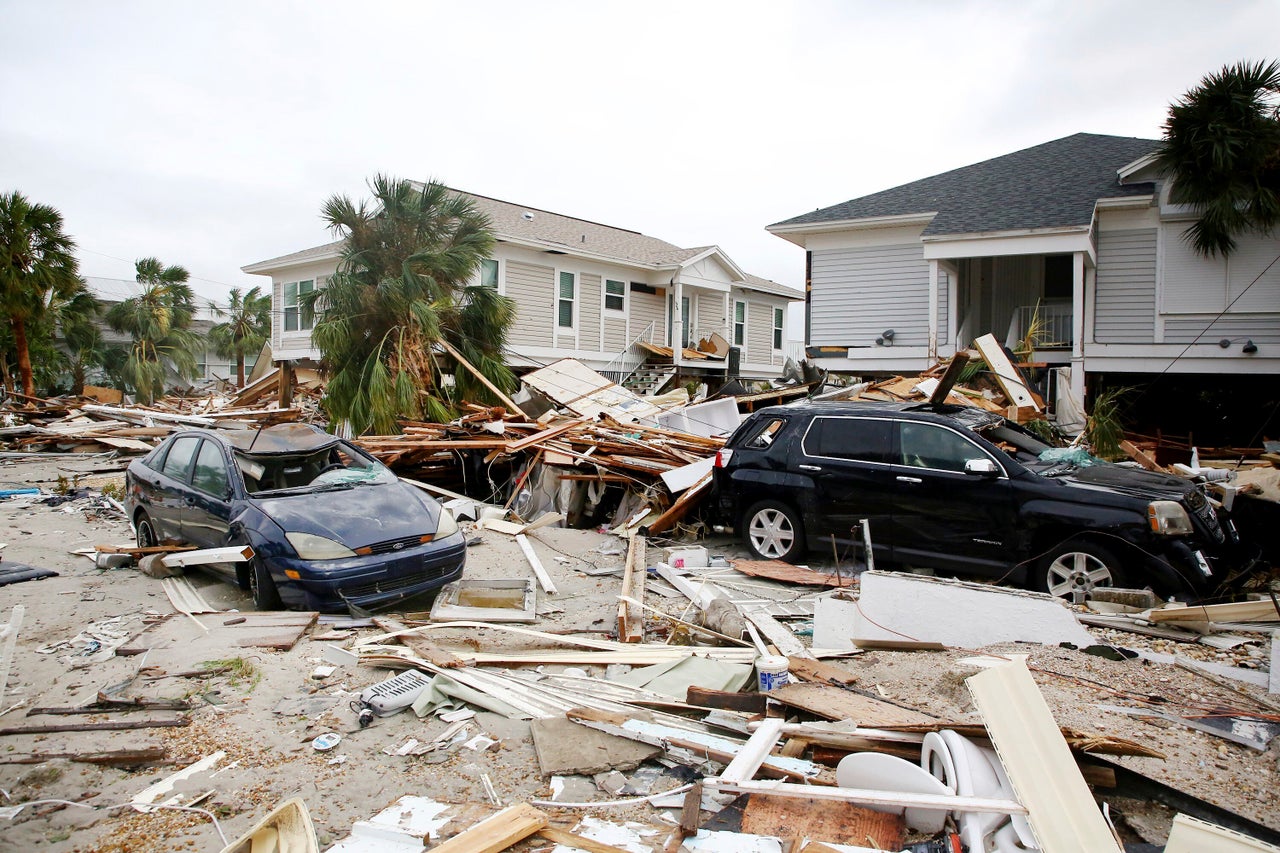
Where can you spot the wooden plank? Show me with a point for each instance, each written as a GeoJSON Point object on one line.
{"type": "Point", "coordinates": [1045, 778]}
{"type": "Point", "coordinates": [631, 608]}
{"type": "Point", "coordinates": [1141, 457]}
{"type": "Point", "coordinates": [1008, 377]}
{"type": "Point", "coordinates": [577, 842]}
{"type": "Point", "coordinates": [534, 563]}
{"type": "Point", "coordinates": [150, 755]}
{"type": "Point", "coordinates": [419, 645]}
{"type": "Point", "coordinates": [728, 700]}
{"type": "Point", "coordinates": [780, 571]}
{"type": "Point", "coordinates": [780, 635]}
{"type": "Point", "coordinates": [835, 703]}
{"type": "Point", "coordinates": [1240, 611]}
{"type": "Point", "coordinates": [838, 823]}
{"type": "Point", "coordinates": [949, 378]}
{"type": "Point", "coordinates": [754, 751]}
{"type": "Point", "coordinates": [110, 726]}
{"type": "Point", "coordinates": [498, 832]}
{"type": "Point", "coordinates": [484, 380]}
{"type": "Point", "coordinates": [683, 504]}
{"type": "Point", "coordinates": [823, 673]}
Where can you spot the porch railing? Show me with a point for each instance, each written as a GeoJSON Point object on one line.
{"type": "Point", "coordinates": [630, 358]}
{"type": "Point", "coordinates": [1055, 327]}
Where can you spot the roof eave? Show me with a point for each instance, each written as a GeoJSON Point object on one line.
{"type": "Point", "coordinates": [1012, 232]}
{"type": "Point", "coordinates": [273, 264]}
{"type": "Point", "coordinates": [796, 232]}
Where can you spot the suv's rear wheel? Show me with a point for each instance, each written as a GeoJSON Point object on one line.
{"type": "Point", "coordinates": [1077, 566]}
{"type": "Point", "coordinates": [773, 531]}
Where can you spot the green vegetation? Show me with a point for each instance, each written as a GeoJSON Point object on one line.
{"type": "Point", "coordinates": [245, 331]}
{"type": "Point", "coordinates": [400, 290]}
{"type": "Point", "coordinates": [1222, 148]}
{"type": "Point", "coordinates": [238, 671]}
{"type": "Point", "coordinates": [1103, 429]}
{"type": "Point", "coordinates": [159, 320]}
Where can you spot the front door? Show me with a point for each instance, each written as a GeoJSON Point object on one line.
{"type": "Point", "coordinates": [942, 516]}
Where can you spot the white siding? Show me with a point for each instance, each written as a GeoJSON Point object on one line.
{"type": "Point", "coordinates": [859, 292]}
{"type": "Point", "coordinates": [647, 308]}
{"type": "Point", "coordinates": [531, 287]}
{"type": "Point", "coordinates": [1191, 283]}
{"type": "Point", "coordinates": [759, 348]}
{"type": "Point", "coordinates": [589, 312]}
{"type": "Point", "coordinates": [1261, 329]}
{"type": "Point", "coordinates": [1125, 293]}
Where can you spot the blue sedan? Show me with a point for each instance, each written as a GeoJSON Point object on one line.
{"type": "Point", "coordinates": [332, 528]}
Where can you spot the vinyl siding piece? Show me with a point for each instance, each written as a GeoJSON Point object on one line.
{"type": "Point", "coordinates": [615, 334]}
{"type": "Point", "coordinates": [589, 311]}
{"type": "Point", "coordinates": [859, 292]}
{"type": "Point", "coordinates": [1125, 301]}
{"type": "Point", "coordinates": [1259, 328]}
{"type": "Point", "coordinates": [710, 314]}
{"type": "Point", "coordinates": [277, 316]}
{"type": "Point", "coordinates": [531, 287]}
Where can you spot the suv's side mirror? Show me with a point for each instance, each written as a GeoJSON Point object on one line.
{"type": "Point", "coordinates": [981, 468]}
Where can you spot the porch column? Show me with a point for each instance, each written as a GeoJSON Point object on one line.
{"type": "Point", "coordinates": [933, 312]}
{"type": "Point", "coordinates": [953, 301]}
{"type": "Point", "coordinates": [1077, 324]}
{"type": "Point", "coordinates": [677, 323]}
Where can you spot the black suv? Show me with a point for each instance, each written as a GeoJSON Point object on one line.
{"type": "Point", "coordinates": [960, 489]}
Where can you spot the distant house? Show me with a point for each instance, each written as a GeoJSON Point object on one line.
{"type": "Point", "coordinates": [609, 297]}
{"type": "Point", "coordinates": [1077, 234]}
{"type": "Point", "coordinates": [110, 291]}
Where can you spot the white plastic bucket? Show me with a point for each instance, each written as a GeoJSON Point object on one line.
{"type": "Point", "coordinates": [771, 672]}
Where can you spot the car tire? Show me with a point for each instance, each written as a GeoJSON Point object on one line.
{"type": "Point", "coordinates": [773, 530]}
{"type": "Point", "coordinates": [1076, 566]}
{"type": "Point", "coordinates": [146, 531]}
{"type": "Point", "coordinates": [263, 587]}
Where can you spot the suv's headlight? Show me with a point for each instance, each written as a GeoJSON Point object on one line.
{"type": "Point", "coordinates": [312, 547]}
{"type": "Point", "coordinates": [448, 524]}
{"type": "Point", "coordinates": [1168, 518]}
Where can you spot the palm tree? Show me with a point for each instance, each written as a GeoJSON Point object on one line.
{"type": "Point", "coordinates": [37, 264]}
{"type": "Point", "coordinates": [400, 288]}
{"type": "Point", "coordinates": [159, 319]}
{"type": "Point", "coordinates": [246, 330]}
{"type": "Point", "coordinates": [1222, 149]}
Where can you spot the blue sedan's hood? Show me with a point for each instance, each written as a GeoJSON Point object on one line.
{"type": "Point", "coordinates": [356, 516]}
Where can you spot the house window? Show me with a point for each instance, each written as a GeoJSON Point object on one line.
{"type": "Point", "coordinates": [777, 328]}
{"type": "Point", "coordinates": [615, 295]}
{"type": "Point", "coordinates": [568, 296]}
{"type": "Point", "coordinates": [298, 318]}
{"type": "Point", "coordinates": [489, 273]}
{"type": "Point", "coordinates": [739, 324]}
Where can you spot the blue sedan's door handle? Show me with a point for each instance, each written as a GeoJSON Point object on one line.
{"type": "Point", "coordinates": [901, 479]}
{"type": "Point", "coordinates": [809, 467]}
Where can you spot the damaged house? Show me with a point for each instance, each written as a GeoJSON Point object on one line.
{"type": "Point", "coordinates": [636, 308]}
{"type": "Point", "coordinates": [1073, 242]}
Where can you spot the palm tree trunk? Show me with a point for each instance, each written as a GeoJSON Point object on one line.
{"type": "Point", "coordinates": [240, 370]}
{"type": "Point", "coordinates": [24, 357]}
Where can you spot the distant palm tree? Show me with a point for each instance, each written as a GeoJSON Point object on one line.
{"type": "Point", "coordinates": [77, 319]}
{"type": "Point", "coordinates": [159, 320]}
{"type": "Point", "coordinates": [1222, 149]}
{"type": "Point", "coordinates": [400, 289]}
{"type": "Point", "coordinates": [246, 330]}
{"type": "Point", "coordinates": [37, 265]}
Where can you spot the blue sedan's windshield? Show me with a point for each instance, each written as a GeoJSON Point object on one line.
{"type": "Point", "coordinates": [340, 466]}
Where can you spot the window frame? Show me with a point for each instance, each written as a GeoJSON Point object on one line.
{"type": "Point", "coordinates": [573, 302]}
{"type": "Point", "coordinates": [605, 296]}
{"type": "Point", "coordinates": [739, 326]}
{"type": "Point", "coordinates": [497, 274]}
{"type": "Point", "coordinates": [305, 321]}
{"type": "Point", "coordinates": [779, 327]}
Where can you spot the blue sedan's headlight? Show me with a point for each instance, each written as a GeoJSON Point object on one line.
{"type": "Point", "coordinates": [448, 524]}
{"type": "Point", "coordinates": [312, 547]}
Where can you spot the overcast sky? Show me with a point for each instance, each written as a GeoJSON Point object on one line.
{"type": "Point", "coordinates": [210, 134]}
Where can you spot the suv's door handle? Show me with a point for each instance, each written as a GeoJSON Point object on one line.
{"type": "Point", "coordinates": [809, 467]}
{"type": "Point", "coordinates": [909, 480]}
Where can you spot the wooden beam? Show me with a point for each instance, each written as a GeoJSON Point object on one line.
{"type": "Point", "coordinates": [631, 607]}
{"type": "Point", "coordinates": [484, 380]}
{"type": "Point", "coordinates": [498, 832]}
{"type": "Point", "coordinates": [949, 378]}
{"type": "Point", "coordinates": [95, 727]}
{"type": "Point", "coordinates": [576, 841]}
{"type": "Point", "coordinates": [534, 563]}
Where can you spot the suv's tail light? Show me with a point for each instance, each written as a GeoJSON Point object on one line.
{"type": "Point", "coordinates": [722, 458]}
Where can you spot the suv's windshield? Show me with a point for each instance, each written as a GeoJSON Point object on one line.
{"type": "Point", "coordinates": [339, 466]}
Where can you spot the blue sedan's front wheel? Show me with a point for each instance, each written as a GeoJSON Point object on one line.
{"type": "Point", "coordinates": [263, 587]}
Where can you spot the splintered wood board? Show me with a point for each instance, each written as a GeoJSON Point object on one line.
{"type": "Point", "coordinates": [1008, 377]}
{"type": "Point", "coordinates": [278, 630]}
{"type": "Point", "coordinates": [833, 822]}
{"type": "Point", "coordinates": [780, 571]}
{"type": "Point", "coordinates": [835, 703]}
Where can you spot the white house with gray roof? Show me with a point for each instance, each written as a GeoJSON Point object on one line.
{"type": "Point", "coordinates": [1078, 232]}
{"type": "Point", "coordinates": [603, 295]}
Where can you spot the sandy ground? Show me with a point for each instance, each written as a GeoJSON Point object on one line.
{"type": "Point", "coordinates": [270, 755]}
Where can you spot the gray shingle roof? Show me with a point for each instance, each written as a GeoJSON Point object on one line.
{"type": "Point", "coordinates": [1055, 184]}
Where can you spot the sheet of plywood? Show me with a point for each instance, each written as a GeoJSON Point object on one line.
{"type": "Point", "coordinates": [496, 833]}
{"type": "Point", "coordinates": [835, 703]}
{"type": "Point", "coordinates": [1044, 775]}
{"type": "Point", "coordinates": [833, 822]}
{"type": "Point", "coordinates": [1008, 377]}
{"type": "Point", "coordinates": [780, 571]}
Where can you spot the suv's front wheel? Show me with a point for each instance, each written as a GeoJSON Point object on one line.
{"type": "Point", "coordinates": [1077, 566]}
{"type": "Point", "coordinates": [773, 531]}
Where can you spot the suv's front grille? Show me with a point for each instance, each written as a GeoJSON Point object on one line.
{"type": "Point", "coordinates": [1203, 510]}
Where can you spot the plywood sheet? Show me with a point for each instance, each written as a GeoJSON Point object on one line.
{"type": "Point", "coordinates": [780, 571]}
{"type": "Point", "coordinates": [835, 703]}
{"type": "Point", "coordinates": [834, 822]}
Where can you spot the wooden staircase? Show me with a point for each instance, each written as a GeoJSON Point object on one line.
{"type": "Point", "coordinates": [649, 379]}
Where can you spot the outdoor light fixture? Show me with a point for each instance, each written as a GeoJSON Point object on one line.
{"type": "Point", "coordinates": [1249, 348]}
{"type": "Point", "coordinates": [885, 339]}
